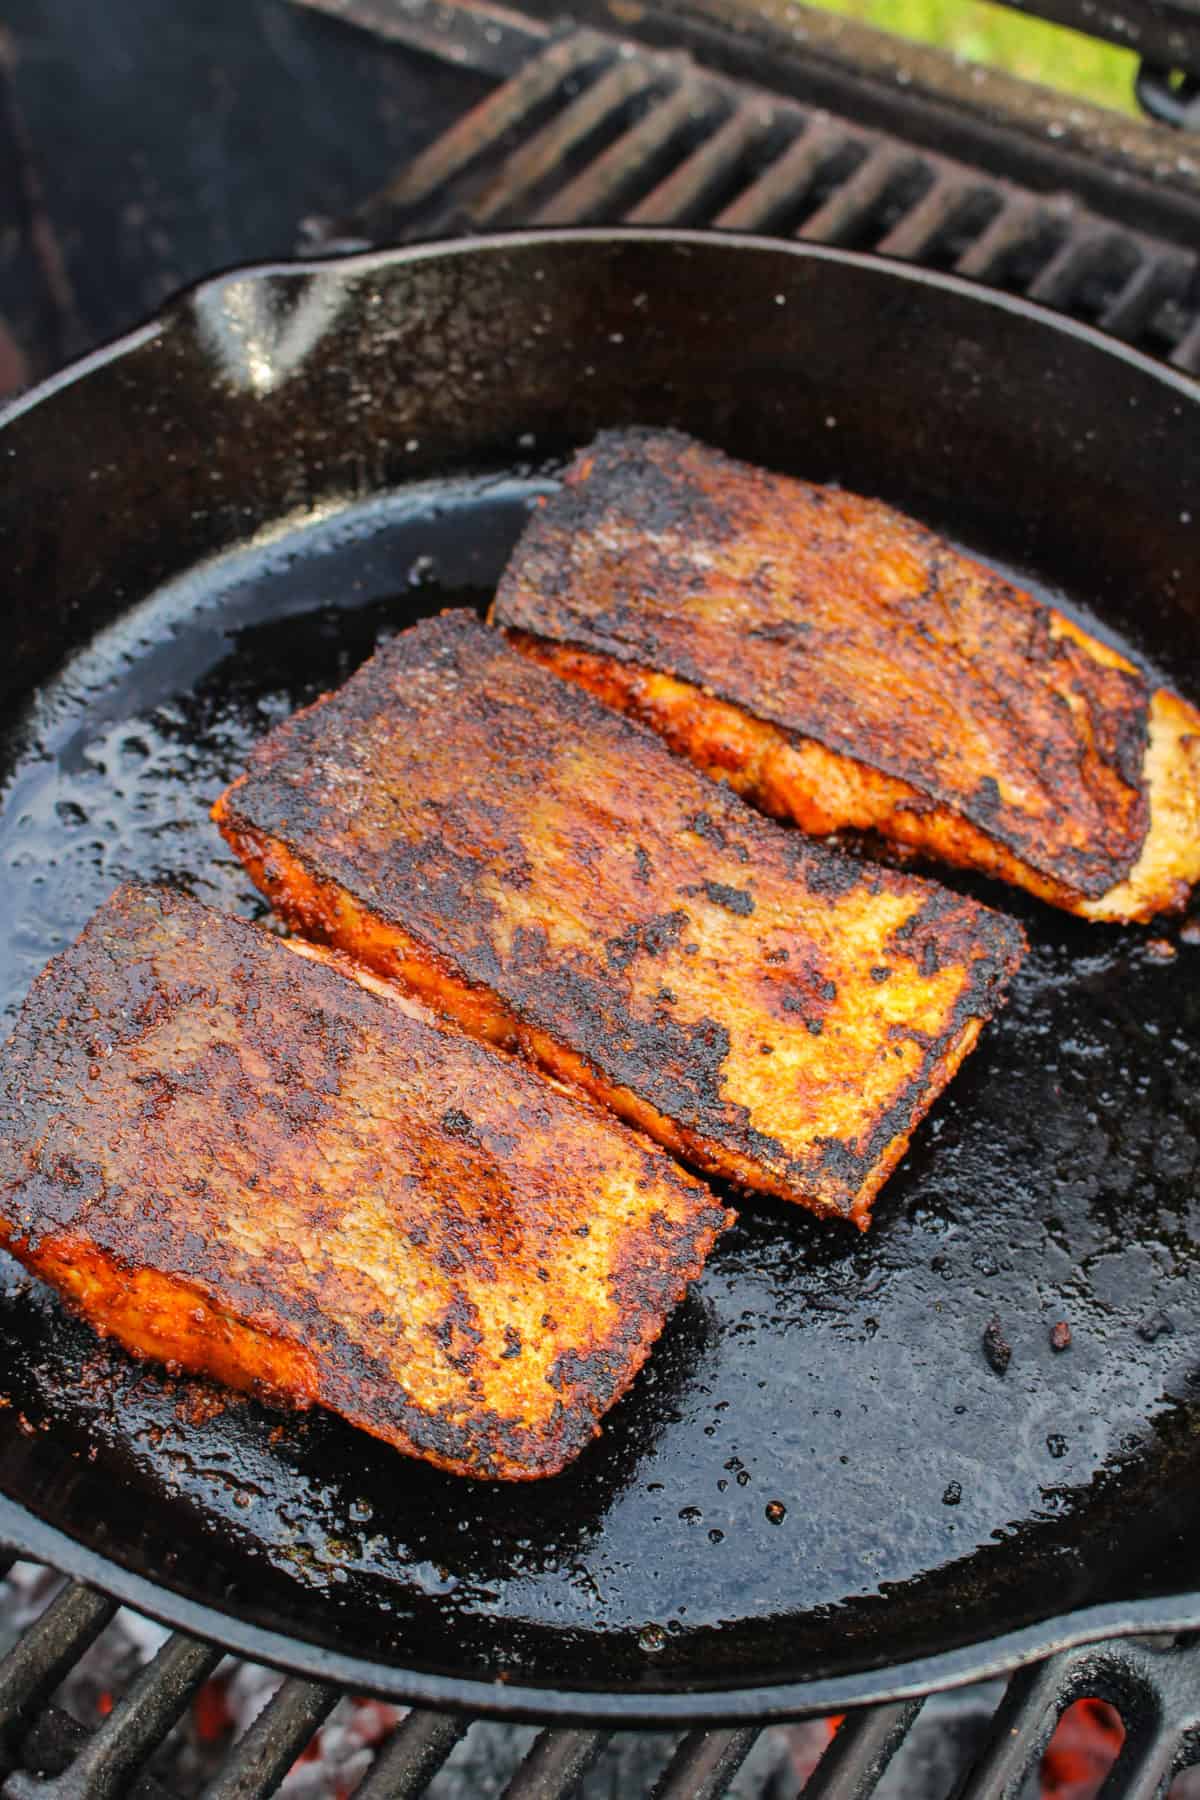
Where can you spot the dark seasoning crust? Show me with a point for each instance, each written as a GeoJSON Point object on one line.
{"type": "Point", "coordinates": [628, 557]}
{"type": "Point", "coordinates": [184, 1095]}
{"type": "Point", "coordinates": [356, 791]}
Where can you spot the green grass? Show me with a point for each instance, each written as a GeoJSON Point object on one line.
{"type": "Point", "coordinates": [1006, 40]}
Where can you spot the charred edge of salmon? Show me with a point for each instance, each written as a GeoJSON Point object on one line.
{"type": "Point", "coordinates": [823, 791]}
{"type": "Point", "coordinates": [1168, 868]}
{"type": "Point", "coordinates": [328, 914]}
{"type": "Point", "coordinates": [168, 1320]}
{"type": "Point", "coordinates": [129, 1304]}
{"type": "Point", "coordinates": [935, 1082]}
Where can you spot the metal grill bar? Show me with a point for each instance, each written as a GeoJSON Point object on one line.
{"type": "Point", "coordinates": [556, 1765]}
{"type": "Point", "coordinates": [1021, 221]}
{"type": "Point", "coordinates": [490, 38]}
{"type": "Point", "coordinates": [135, 1727]}
{"type": "Point", "coordinates": [789, 178]}
{"type": "Point", "coordinates": [1186, 354]}
{"type": "Point", "coordinates": [1157, 1693]}
{"type": "Point", "coordinates": [1146, 1770]}
{"type": "Point", "coordinates": [914, 235]}
{"type": "Point", "coordinates": [846, 211]}
{"type": "Point", "coordinates": [865, 1744]}
{"type": "Point", "coordinates": [36, 1665]}
{"type": "Point", "coordinates": [1155, 1689]}
{"type": "Point", "coordinates": [412, 1757]}
{"type": "Point", "coordinates": [526, 169]}
{"type": "Point", "coordinates": [625, 161]}
{"type": "Point", "coordinates": [1154, 1684]}
{"type": "Point", "coordinates": [486, 124]}
{"type": "Point", "coordinates": [705, 1763]}
{"type": "Point", "coordinates": [1155, 280]}
{"type": "Point", "coordinates": [681, 193]}
{"type": "Point", "coordinates": [268, 1749]}
{"type": "Point", "coordinates": [1022, 1727]}
{"type": "Point", "coordinates": [1165, 34]}
{"type": "Point", "coordinates": [1070, 265]}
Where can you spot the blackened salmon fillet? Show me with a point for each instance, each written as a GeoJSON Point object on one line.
{"type": "Point", "coordinates": [243, 1162]}
{"type": "Point", "coordinates": [845, 668]}
{"type": "Point", "coordinates": [547, 874]}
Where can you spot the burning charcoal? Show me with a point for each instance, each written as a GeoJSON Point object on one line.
{"type": "Point", "coordinates": [1082, 1751]}
{"type": "Point", "coordinates": [1060, 1336]}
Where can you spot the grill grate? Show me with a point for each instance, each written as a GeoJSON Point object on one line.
{"type": "Point", "coordinates": [591, 129]}
{"type": "Point", "coordinates": [1153, 1683]}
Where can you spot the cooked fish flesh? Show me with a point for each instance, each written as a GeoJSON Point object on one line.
{"type": "Point", "coordinates": [843, 667]}
{"type": "Point", "coordinates": [546, 873]}
{"type": "Point", "coordinates": [253, 1167]}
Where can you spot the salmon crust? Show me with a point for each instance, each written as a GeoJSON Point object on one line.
{"type": "Point", "coordinates": [244, 1163]}
{"type": "Point", "coordinates": [848, 670]}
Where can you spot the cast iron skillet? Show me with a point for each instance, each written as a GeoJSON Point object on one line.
{"type": "Point", "coordinates": [207, 524]}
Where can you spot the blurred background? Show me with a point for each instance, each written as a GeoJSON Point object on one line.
{"type": "Point", "coordinates": [143, 146]}
{"type": "Point", "coordinates": [992, 35]}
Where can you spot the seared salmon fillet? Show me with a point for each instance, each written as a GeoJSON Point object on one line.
{"type": "Point", "coordinates": [546, 873]}
{"type": "Point", "coordinates": [244, 1163]}
{"type": "Point", "coordinates": [845, 668]}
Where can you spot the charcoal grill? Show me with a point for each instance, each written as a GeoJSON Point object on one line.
{"type": "Point", "coordinates": [1154, 1684]}
{"type": "Point", "coordinates": [705, 118]}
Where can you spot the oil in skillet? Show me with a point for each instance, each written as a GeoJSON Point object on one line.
{"type": "Point", "coordinates": [121, 756]}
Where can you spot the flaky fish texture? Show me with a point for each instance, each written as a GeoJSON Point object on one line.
{"type": "Point", "coordinates": [242, 1162]}
{"type": "Point", "coordinates": [845, 668]}
{"type": "Point", "coordinates": [550, 876]}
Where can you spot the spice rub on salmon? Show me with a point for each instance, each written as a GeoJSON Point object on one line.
{"type": "Point", "coordinates": [245, 1163]}
{"type": "Point", "coordinates": [845, 668]}
{"type": "Point", "coordinates": [549, 875]}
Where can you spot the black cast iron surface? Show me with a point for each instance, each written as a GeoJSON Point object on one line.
{"type": "Point", "coordinates": [821, 1488]}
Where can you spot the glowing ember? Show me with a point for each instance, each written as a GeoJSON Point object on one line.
{"type": "Point", "coordinates": [1083, 1749]}
{"type": "Point", "coordinates": [211, 1715]}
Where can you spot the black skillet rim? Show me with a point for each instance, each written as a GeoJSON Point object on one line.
{"type": "Point", "coordinates": [29, 1536]}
